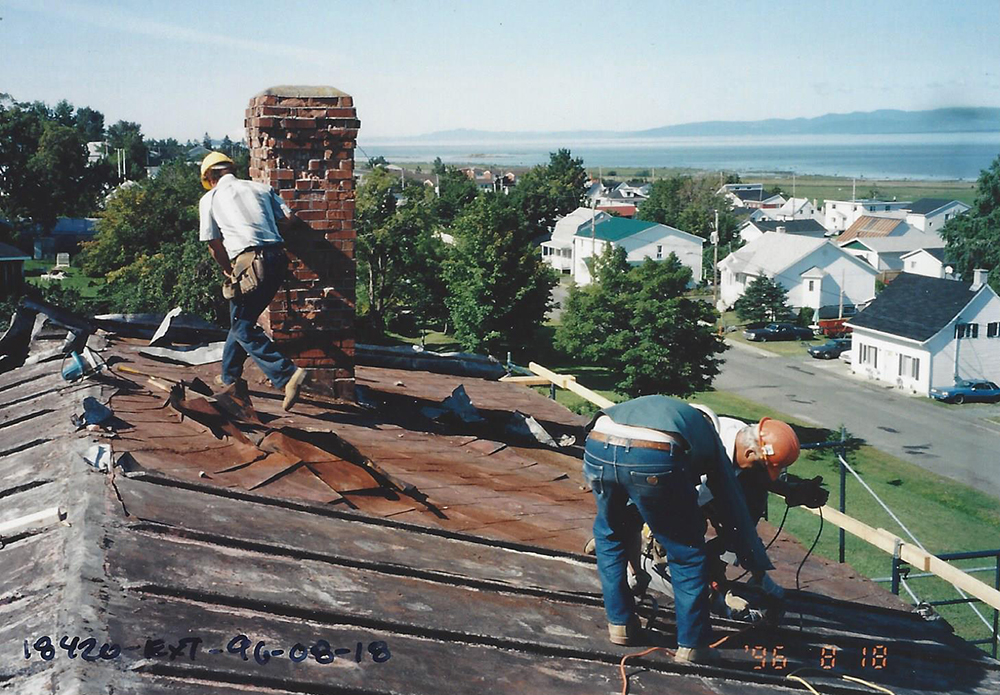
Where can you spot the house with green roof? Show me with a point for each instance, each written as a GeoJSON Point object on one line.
{"type": "Point", "coordinates": [640, 239]}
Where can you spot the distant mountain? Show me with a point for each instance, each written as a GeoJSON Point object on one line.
{"type": "Point", "coordinates": [885, 121]}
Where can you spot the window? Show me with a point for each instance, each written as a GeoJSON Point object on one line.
{"type": "Point", "coordinates": [811, 285]}
{"type": "Point", "coordinates": [993, 329]}
{"type": "Point", "coordinates": [909, 366]}
{"type": "Point", "coordinates": [659, 252]}
{"type": "Point", "coordinates": [966, 330]}
{"type": "Point", "coordinates": [887, 208]}
{"type": "Point", "coordinates": [913, 264]}
{"type": "Point", "coordinates": [869, 355]}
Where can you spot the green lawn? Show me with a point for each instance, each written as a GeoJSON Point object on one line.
{"type": "Point", "coordinates": [823, 188]}
{"type": "Point", "coordinates": [946, 516]}
{"type": "Point", "coordinates": [75, 278]}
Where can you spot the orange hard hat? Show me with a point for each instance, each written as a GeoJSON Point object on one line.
{"type": "Point", "coordinates": [779, 445]}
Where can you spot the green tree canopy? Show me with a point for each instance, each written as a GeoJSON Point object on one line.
{"type": "Point", "coordinates": [127, 137]}
{"type": "Point", "coordinates": [764, 300]}
{"type": "Point", "coordinates": [498, 287]}
{"type": "Point", "coordinates": [43, 165]}
{"type": "Point", "coordinates": [399, 258]}
{"type": "Point", "coordinates": [551, 190]}
{"type": "Point", "coordinates": [637, 322]}
{"type": "Point", "coordinates": [689, 204]}
{"type": "Point", "coordinates": [90, 123]}
{"type": "Point", "coordinates": [972, 240]}
{"type": "Point", "coordinates": [140, 218]}
{"type": "Point", "coordinates": [455, 191]}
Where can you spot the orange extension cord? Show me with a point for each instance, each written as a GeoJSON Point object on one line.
{"type": "Point", "coordinates": [621, 665]}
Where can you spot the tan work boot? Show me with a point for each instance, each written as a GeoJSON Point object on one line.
{"type": "Point", "coordinates": [697, 655]}
{"type": "Point", "coordinates": [627, 634]}
{"type": "Point", "coordinates": [293, 387]}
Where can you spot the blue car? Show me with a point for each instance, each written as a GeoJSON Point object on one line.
{"type": "Point", "coordinates": [968, 390]}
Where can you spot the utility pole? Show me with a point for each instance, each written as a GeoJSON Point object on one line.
{"type": "Point", "coordinates": [715, 262]}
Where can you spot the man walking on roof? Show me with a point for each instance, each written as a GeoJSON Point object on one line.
{"type": "Point", "coordinates": [652, 451]}
{"type": "Point", "coordinates": [240, 221]}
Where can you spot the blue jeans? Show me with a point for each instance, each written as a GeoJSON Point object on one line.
{"type": "Point", "coordinates": [246, 337]}
{"type": "Point", "coordinates": [663, 490]}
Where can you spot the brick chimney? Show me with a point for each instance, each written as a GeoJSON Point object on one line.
{"type": "Point", "coordinates": [301, 143]}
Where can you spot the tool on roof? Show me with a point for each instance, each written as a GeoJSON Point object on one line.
{"type": "Point", "coordinates": [196, 384]}
{"type": "Point", "coordinates": [82, 365]}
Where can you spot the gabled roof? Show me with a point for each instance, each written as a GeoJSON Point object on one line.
{"type": "Point", "coordinates": [915, 306]}
{"type": "Point", "coordinates": [911, 241]}
{"type": "Point", "coordinates": [772, 253]}
{"type": "Point", "coordinates": [869, 226]}
{"type": "Point", "coordinates": [755, 194]}
{"type": "Point", "coordinates": [566, 227]}
{"type": "Point", "coordinates": [10, 253]}
{"type": "Point", "coordinates": [937, 253]}
{"type": "Point", "coordinates": [615, 228]}
{"type": "Point", "coordinates": [926, 206]}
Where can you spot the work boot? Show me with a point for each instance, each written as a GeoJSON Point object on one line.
{"type": "Point", "coordinates": [626, 635]}
{"type": "Point", "coordinates": [293, 387]}
{"type": "Point", "coordinates": [708, 656]}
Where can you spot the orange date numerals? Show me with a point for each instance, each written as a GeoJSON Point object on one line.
{"type": "Point", "coordinates": [779, 662]}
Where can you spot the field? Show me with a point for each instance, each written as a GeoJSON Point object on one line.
{"type": "Point", "coordinates": [818, 188]}
{"type": "Point", "coordinates": [74, 279]}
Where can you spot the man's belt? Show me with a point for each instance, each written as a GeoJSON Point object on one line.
{"type": "Point", "coordinates": [635, 443]}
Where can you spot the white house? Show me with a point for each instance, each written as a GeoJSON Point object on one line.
{"type": "Point", "coordinates": [640, 239]}
{"type": "Point", "coordinates": [558, 251]}
{"type": "Point", "coordinates": [924, 332]}
{"type": "Point", "coordinates": [792, 209]}
{"type": "Point", "coordinates": [931, 263]}
{"type": "Point", "coordinates": [751, 196]}
{"type": "Point", "coordinates": [752, 229]}
{"type": "Point", "coordinates": [839, 215]}
{"type": "Point", "coordinates": [815, 272]}
{"type": "Point", "coordinates": [882, 241]}
{"type": "Point", "coordinates": [930, 214]}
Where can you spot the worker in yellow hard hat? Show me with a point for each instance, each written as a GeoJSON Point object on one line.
{"type": "Point", "coordinates": [242, 221]}
{"type": "Point", "coordinates": [644, 459]}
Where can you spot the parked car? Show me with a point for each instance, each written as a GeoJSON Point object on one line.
{"type": "Point", "coordinates": [845, 357]}
{"type": "Point", "coordinates": [778, 331]}
{"type": "Point", "coordinates": [829, 350]}
{"type": "Point", "coordinates": [971, 390]}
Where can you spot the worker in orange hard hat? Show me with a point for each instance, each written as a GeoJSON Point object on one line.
{"type": "Point", "coordinates": [653, 459]}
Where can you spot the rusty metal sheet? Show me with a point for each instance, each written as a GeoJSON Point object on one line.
{"type": "Point", "coordinates": [353, 538]}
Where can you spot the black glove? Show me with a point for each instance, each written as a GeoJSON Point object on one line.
{"type": "Point", "coordinates": [808, 493]}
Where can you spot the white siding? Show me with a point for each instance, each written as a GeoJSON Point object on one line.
{"type": "Point", "coordinates": [968, 358]}
{"type": "Point", "coordinates": [879, 357]}
{"type": "Point", "coordinates": [923, 263]}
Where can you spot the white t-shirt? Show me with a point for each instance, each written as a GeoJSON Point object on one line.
{"type": "Point", "coordinates": [241, 213]}
{"type": "Point", "coordinates": [728, 429]}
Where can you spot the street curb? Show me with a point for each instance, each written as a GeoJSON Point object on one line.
{"type": "Point", "coordinates": [750, 348]}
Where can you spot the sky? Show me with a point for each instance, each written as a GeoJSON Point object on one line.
{"type": "Point", "coordinates": [182, 68]}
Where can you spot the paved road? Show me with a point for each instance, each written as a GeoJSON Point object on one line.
{"type": "Point", "coordinates": [955, 441]}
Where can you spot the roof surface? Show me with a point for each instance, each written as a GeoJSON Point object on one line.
{"type": "Point", "coordinates": [869, 226]}
{"type": "Point", "coordinates": [10, 253]}
{"type": "Point", "coordinates": [615, 228]}
{"type": "Point", "coordinates": [772, 253]}
{"type": "Point", "coordinates": [925, 206]}
{"type": "Point", "coordinates": [791, 226]}
{"type": "Point", "coordinates": [915, 306]}
{"type": "Point", "coordinates": [448, 547]}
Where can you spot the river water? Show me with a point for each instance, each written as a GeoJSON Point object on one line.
{"type": "Point", "coordinates": [905, 156]}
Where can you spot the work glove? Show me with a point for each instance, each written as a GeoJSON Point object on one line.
{"type": "Point", "coordinates": [773, 607]}
{"type": "Point", "coordinates": [808, 493]}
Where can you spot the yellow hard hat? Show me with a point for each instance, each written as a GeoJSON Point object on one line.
{"type": "Point", "coordinates": [210, 160]}
{"type": "Point", "coordinates": [779, 445]}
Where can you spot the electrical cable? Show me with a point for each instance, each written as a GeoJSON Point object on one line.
{"type": "Point", "coordinates": [768, 546]}
{"type": "Point", "coordinates": [804, 682]}
{"type": "Point", "coordinates": [868, 683]}
{"type": "Point", "coordinates": [811, 548]}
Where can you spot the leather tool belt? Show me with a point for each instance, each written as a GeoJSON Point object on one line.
{"type": "Point", "coordinates": [675, 447]}
{"type": "Point", "coordinates": [248, 272]}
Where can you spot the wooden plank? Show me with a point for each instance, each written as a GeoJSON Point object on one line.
{"type": "Point", "coordinates": [528, 380]}
{"type": "Point", "coordinates": [912, 554]}
{"type": "Point", "coordinates": [569, 383]}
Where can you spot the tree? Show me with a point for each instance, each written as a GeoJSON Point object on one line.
{"type": "Point", "coordinates": [90, 124]}
{"type": "Point", "coordinates": [763, 300]}
{"type": "Point", "coordinates": [399, 259]}
{"type": "Point", "coordinates": [125, 137]}
{"type": "Point", "coordinates": [139, 219]}
{"type": "Point", "coordinates": [206, 141]}
{"type": "Point", "coordinates": [552, 190]}
{"type": "Point", "coordinates": [498, 287]}
{"type": "Point", "coordinates": [638, 323]}
{"type": "Point", "coordinates": [455, 191]}
{"type": "Point", "coordinates": [438, 166]}
{"type": "Point", "coordinates": [972, 240]}
{"type": "Point", "coordinates": [43, 167]}
{"type": "Point", "coordinates": [689, 204]}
